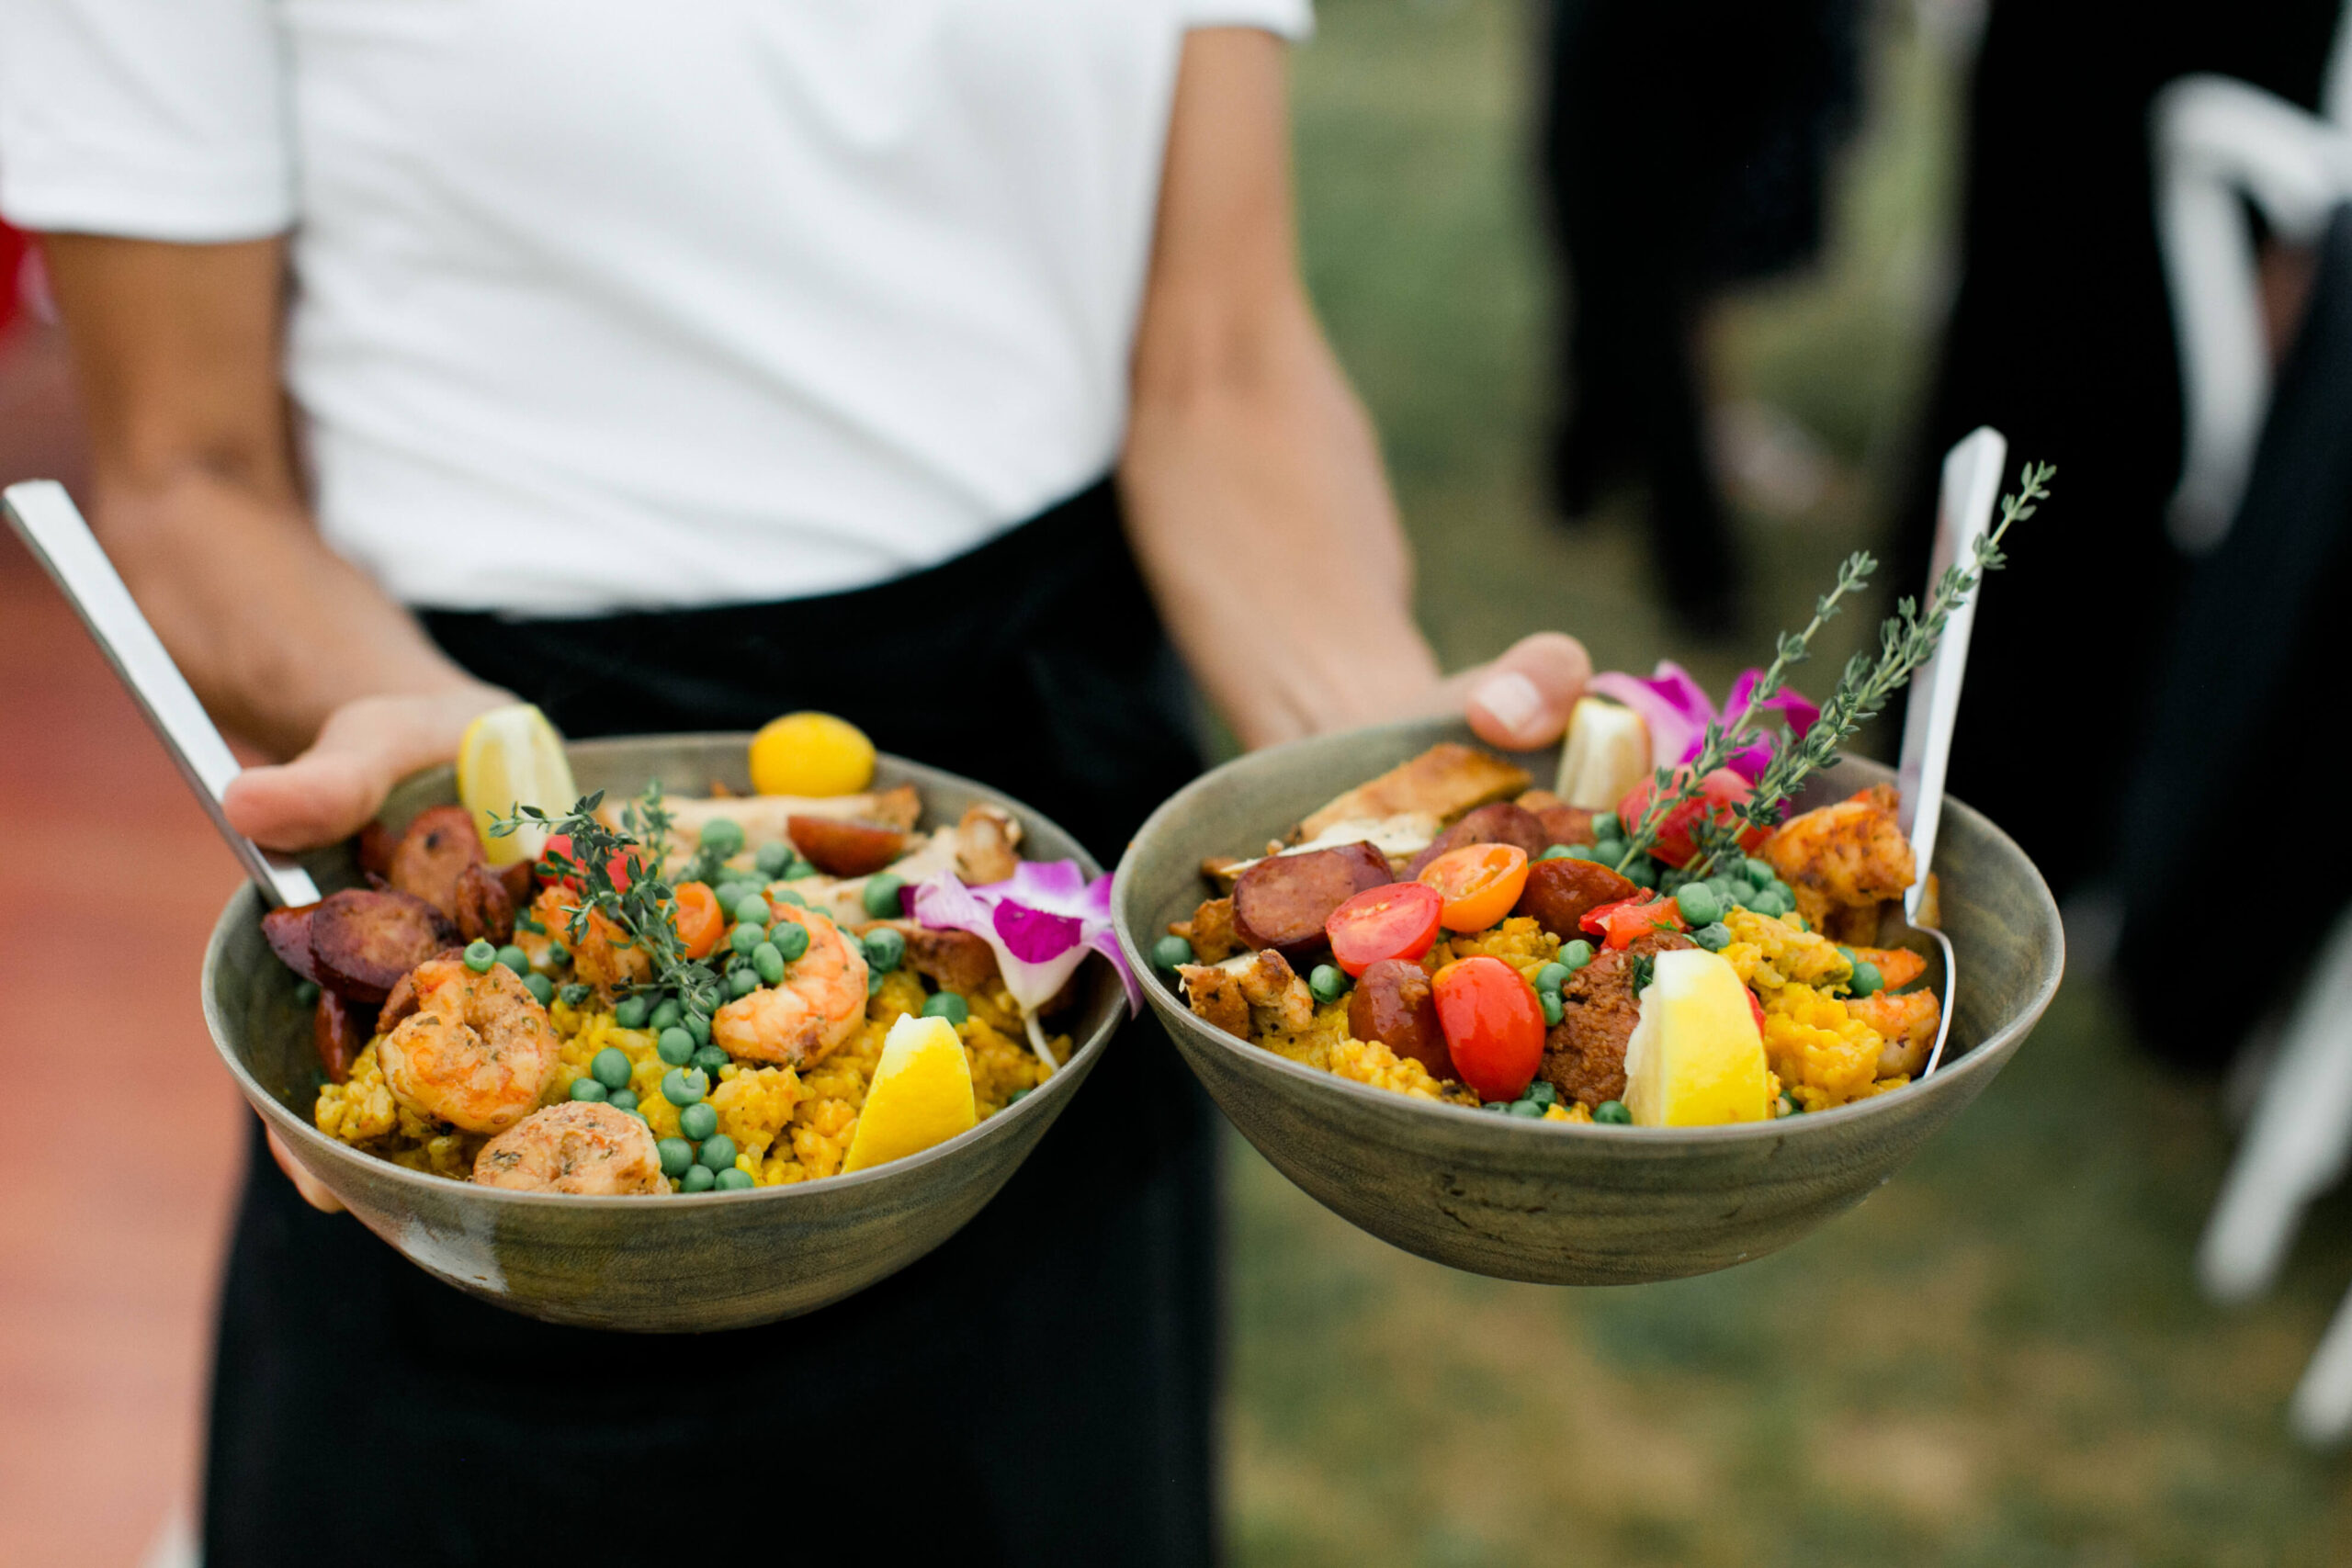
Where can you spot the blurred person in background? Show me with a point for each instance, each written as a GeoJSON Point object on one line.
{"type": "Point", "coordinates": [1685, 147]}
{"type": "Point", "coordinates": [672, 369]}
{"type": "Point", "coordinates": [2062, 337]}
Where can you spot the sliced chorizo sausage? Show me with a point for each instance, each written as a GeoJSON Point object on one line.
{"type": "Point", "coordinates": [839, 848]}
{"type": "Point", "coordinates": [289, 933]}
{"type": "Point", "coordinates": [515, 877]}
{"type": "Point", "coordinates": [433, 855]}
{"type": "Point", "coordinates": [1282, 901]}
{"type": "Point", "coordinates": [340, 1031]}
{"type": "Point", "coordinates": [374, 850]}
{"type": "Point", "coordinates": [1504, 822]}
{"type": "Point", "coordinates": [485, 909]}
{"type": "Point", "coordinates": [364, 939]}
{"type": "Point", "coordinates": [1394, 1004]}
{"type": "Point", "coordinates": [1561, 892]}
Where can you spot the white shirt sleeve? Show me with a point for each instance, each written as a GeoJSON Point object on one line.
{"type": "Point", "coordinates": [159, 119]}
{"type": "Point", "coordinates": [1293, 19]}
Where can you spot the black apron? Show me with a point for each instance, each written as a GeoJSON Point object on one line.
{"type": "Point", "coordinates": [1039, 1390]}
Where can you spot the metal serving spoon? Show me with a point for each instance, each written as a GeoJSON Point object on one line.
{"type": "Point", "coordinates": [1971, 486]}
{"type": "Point", "coordinates": [47, 520]}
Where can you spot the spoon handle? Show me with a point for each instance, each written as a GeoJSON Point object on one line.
{"type": "Point", "coordinates": [50, 524]}
{"type": "Point", "coordinates": [1971, 485]}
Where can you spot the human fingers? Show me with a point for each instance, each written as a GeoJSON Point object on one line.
{"type": "Point", "coordinates": [1522, 700]}
{"type": "Point", "coordinates": [314, 1192]}
{"type": "Point", "coordinates": [365, 746]}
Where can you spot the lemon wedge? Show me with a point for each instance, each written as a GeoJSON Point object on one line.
{"type": "Point", "coordinates": [511, 756]}
{"type": "Point", "coordinates": [1696, 1056]}
{"type": "Point", "coordinates": [922, 1094]}
{"type": "Point", "coordinates": [812, 754]}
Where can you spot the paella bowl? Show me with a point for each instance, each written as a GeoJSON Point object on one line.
{"type": "Point", "coordinates": [1568, 1203]}
{"type": "Point", "coordinates": [709, 1261]}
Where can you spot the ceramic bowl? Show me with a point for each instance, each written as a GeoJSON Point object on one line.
{"type": "Point", "coordinates": [711, 1261]}
{"type": "Point", "coordinates": [1566, 1203]}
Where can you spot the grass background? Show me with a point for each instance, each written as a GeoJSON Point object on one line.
{"type": "Point", "coordinates": [2001, 1357]}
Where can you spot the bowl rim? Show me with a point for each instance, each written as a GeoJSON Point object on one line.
{"type": "Point", "coordinates": [247, 897]}
{"type": "Point", "coordinates": [1984, 1056]}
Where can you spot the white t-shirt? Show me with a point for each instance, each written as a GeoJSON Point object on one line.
{"type": "Point", "coordinates": [607, 303]}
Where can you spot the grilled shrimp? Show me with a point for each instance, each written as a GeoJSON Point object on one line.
{"type": "Point", "coordinates": [477, 1052]}
{"type": "Point", "coordinates": [820, 1004]}
{"type": "Point", "coordinates": [1908, 1022]}
{"type": "Point", "coordinates": [1847, 856]}
{"type": "Point", "coordinates": [577, 1146]}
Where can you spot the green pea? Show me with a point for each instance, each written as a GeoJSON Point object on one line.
{"type": "Point", "coordinates": [1699, 904]}
{"type": "Point", "coordinates": [950, 1007]}
{"type": "Point", "coordinates": [769, 963]}
{"type": "Point", "coordinates": [1584, 851]}
{"type": "Point", "coordinates": [1608, 826]}
{"type": "Point", "coordinates": [885, 948]}
{"type": "Point", "coordinates": [630, 1012]}
{"type": "Point", "coordinates": [1552, 976]}
{"type": "Point", "coordinates": [1577, 955]}
{"type": "Point", "coordinates": [786, 894]}
{"type": "Point", "coordinates": [722, 838]}
{"type": "Point", "coordinates": [791, 940]}
{"type": "Point", "coordinates": [1643, 873]}
{"type": "Point", "coordinates": [665, 1016]}
{"type": "Point", "coordinates": [1554, 1008]}
{"type": "Point", "coordinates": [1866, 980]}
{"type": "Point", "coordinates": [1527, 1109]}
{"type": "Point", "coordinates": [882, 896]}
{"type": "Point", "coordinates": [741, 983]}
{"type": "Point", "coordinates": [1714, 938]}
{"type": "Point", "coordinates": [1541, 1094]}
{"type": "Point", "coordinates": [675, 1046]}
{"type": "Point", "coordinates": [699, 1027]}
{"type": "Point", "coordinates": [480, 957]}
{"type": "Point", "coordinates": [1015, 1098]}
{"type": "Point", "coordinates": [623, 1099]}
{"type": "Point", "coordinates": [710, 1058]}
{"type": "Point", "coordinates": [515, 958]}
{"type": "Point", "coordinates": [1328, 982]}
{"type": "Point", "coordinates": [1170, 953]}
{"type": "Point", "coordinates": [558, 954]}
{"type": "Point", "coordinates": [683, 1086]}
{"type": "Point", "coordinates": [799, 870]}
{"type": "Point", "coordinates": [575, 994]}
{"type": "Point", "coordinates": [1612, 1114]}
{"type": "Point", "coordinates": [525, 923]}
{"type": "Point", "coordinates": [717, 1152]}
{"type": "Point", "coordinates": [773, 860]}
{"type": "Point", "coordinates": [676, 1155]}
{"type": "Point", "coordinates": [1559, 852]}
{"type": "Point", "coordinates": [542, 989]}
{"type": "Point", "coordinates": [1767, 902]}
{"type": "Point", "coordinates": [874, 978]}
{"type": "Point", "coordinates": [734, 1180]}
{"type": "Point", "coordinates": [745, 937]}
{"type": "Point", "coordinates": [306, 993]}
{"type": "Point", "coordinates": [698, 1179]}
{"type": "Point", "coordinates": [1758, 873]}
{"type": "Point", "coordinates": [698, 1122]}
{"type": "Point", "coordinates": [588, 1089]}
{"type": "Point", "coordinates": [611, 1067]}
{"type": "Point", "coordinates": [753, 909]}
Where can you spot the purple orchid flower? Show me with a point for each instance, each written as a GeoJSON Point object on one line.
{"type": "Point", "coordinates": [1676, 708]}
{"type": "Point", "coordinates": [1041, 923]}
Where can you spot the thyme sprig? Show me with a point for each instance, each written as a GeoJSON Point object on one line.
{"type": "Point", "coordinates": [646, 911]}
{"type": "Point", "coordinates": [1907, 640]}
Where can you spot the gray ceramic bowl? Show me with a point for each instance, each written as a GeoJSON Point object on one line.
{"type": "Point", "coordinates": [1569, 1204]}
{"type": "Point", "coordinates": [714, 1260]}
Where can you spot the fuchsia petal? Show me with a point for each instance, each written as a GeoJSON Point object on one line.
{"type": "Point", "coordinates": [1033, 936]}
{"type": "Point", "coordinates": [1671, 704]}
{"type": "Point", "coordinates": [1036, 920]}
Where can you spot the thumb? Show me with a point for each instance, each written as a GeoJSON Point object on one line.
{"type": "Point", "coordinates": [331, 791]}
{"type": "Point", "coordinates": [1523, 699]}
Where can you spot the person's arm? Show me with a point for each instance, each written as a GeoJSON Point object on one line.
{"type": "Point", "coordinates": [1253, 484]}
{"type": "Point", "coordinates": [195, 496]}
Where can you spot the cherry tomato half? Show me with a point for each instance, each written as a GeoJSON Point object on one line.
{"type": "Point", "coordinates": [700, 921]}
{"type": "Point", "coordinates": [1398, 920]}
{"type": "Point", "coordinates": [1723, 790]}
{"type": "Point", "coordinates": [622, 867]}
{"type": "Point", "coordinates": [1479, 883]}
{"type": "Point", "coordinates": [1493, 1025]}
{"type": "Point", "coordinates": [1618, 924]}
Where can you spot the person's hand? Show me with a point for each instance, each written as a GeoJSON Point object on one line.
{"type": "Point", "coordinates": [1523, 699]}
{"type": "Point", "coordinates": [331, 791]}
